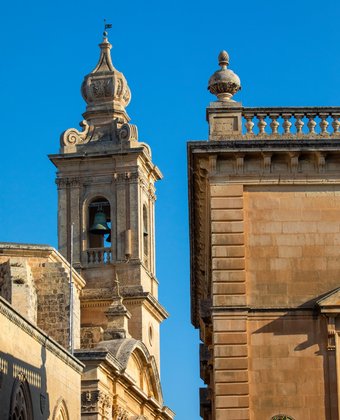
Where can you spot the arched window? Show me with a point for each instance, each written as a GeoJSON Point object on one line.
{"type": "Point", "coordinates": [60, 411]}
{"type": "Point", "coordinates": [21, 403]}
{"type": "Point", "coordinates": [145, 233]}
{"type": "Point", "coordinates": [282, 417]}
{"type": "Point", "coordinates": [99, 229]}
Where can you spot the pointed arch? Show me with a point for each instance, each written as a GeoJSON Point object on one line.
{"type": "Point", "coordinates": [60, 411]}
{"type": "Point", "coordinates": [21, 402]}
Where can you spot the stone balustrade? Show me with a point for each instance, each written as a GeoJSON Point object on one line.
{"type": "Point", "coordinates": [97, 256]}
{"type": "Point", "coordinates": [299, 122]}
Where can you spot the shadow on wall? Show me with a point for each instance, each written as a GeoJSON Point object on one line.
{"type": "Point", "coordinates": [23, 388]}
{"type": "Point", "coordinates": [291, 347]}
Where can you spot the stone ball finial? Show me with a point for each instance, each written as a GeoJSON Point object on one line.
{"type": "Point", "coordinates": [224, 83]}
{"type": "Point", "coordinates": [223, 58]}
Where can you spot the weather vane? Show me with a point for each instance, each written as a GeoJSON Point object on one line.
{"type": "Point", "coordinates": [106, 26]}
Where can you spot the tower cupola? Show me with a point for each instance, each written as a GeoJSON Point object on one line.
{"type": "Point", "coordinates": [105, 89]}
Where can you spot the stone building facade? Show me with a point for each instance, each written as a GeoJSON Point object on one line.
{"type": "Point", "coordinates": [106, 307]}
{"type": "Point", "coordinates": [265, 231]}
{"type": "Point", "coordinates": [106, 199]}
{"type": "Point", "coordinates": [39, 378]}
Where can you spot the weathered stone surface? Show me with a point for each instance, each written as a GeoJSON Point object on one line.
{"type": "Point", "coordinates": [264, 252]}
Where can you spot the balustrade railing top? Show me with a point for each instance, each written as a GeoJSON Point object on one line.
{"type": "Point", "coordinates": [99, 256]}
{"type": "Point", "coordinates": [308, 122]}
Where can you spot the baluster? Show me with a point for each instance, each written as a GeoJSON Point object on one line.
{"type": "Point", "coordinates": [324, 124]}
{"type": "Point", "coordinates": [261, 124]}
{"type": "Point", "coordinates": [274, 125]}
{"type": "Point", "coordinates": [286, 123]}
{"type": "Point", "coordinates": [336, 123]}
{"type": "Point", "coordinates": [299, 123]}
{"type": "Point", "coordinates": [311, 123]}
{"type": "Point", "coordinates": [249, 123]}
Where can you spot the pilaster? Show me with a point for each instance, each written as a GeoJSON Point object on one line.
{"type": "Point", "coordinates": [229, 315]}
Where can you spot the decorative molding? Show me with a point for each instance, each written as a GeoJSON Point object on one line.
{"type": "Point", "coordinates": [72, 136]}
{"type": "Point", "coordinates": [331, 332]}
{"type": "Point", "coordinates": [67, 182]}
{"type": "Point", "coordinates": [128, 132]}
{"type": "Point", "coordinates": [96, 401]}
{"type": "Point", "coordinates": [119, 413]}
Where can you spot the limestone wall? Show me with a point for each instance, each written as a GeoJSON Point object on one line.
{"type": "Point", "coordinates": [35, 280]}
{"type": "Point", "coordinates": [292, 243]}
{"type": "Point", "coordinates": [274, 253]}
{"type": "Point", "coordinates": [53, 376]}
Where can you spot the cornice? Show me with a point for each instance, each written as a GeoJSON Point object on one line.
{"type": "Point", "coordinates": [41, 251]}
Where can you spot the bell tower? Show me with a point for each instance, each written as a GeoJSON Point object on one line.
{"type": "Point", "coordinates": [105, 180]}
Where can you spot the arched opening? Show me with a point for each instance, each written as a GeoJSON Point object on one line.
{"type": "Point", "coordinates": [99, 231]}
{"type": "Point", "coordinates": [145, 234]}
{"type": "Point", "coordinates": [21, 403]}
{"type": "Point", "coordinates": [60, 411]}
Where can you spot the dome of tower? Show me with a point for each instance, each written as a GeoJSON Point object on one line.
{"type": "Point", "coordinates": [105, 87]}
{"type": "Point", "coordinates": [224, 83]}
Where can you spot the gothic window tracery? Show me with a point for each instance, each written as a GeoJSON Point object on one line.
{"type": "Point", "coordinates": [21, 403]}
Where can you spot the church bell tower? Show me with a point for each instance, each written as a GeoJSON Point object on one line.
{"type": "Point", "coordinates": [105, 180]}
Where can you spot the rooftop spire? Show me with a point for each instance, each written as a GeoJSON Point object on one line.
{"type": "Point", "coordinates": [118, 316]}
{"type": "Point", "coordinates": [105, 89]}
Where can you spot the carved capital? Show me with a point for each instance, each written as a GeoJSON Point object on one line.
{"type": "Point", "coordinates": [331, 332]}
{"type": "Point", "coordinates": [119, 413]}
{"type": "Point", "coordinates": [96, 401]}
{"type": "Point", "coordinates": [67, 182]}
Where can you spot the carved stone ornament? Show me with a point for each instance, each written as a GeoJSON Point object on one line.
{"type": "Point", "coordinates": [331, 332]}
{"type": "Point", "coordinates": [96, 401]}
{"type": "Point", "coordinates": [120, 413]}
{"type": "Point", "coordinates": [72, 136]}
{"type": "Point", "coordinates": [105, 84]}
{"type": "Point", "coordinates": [128, 132]}
{"type": "Point", "coordinates": [65, 182]}
{"type": "Point", "coordinates": [224, 83]}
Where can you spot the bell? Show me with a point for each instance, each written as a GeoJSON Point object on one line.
{"type": "Point", "coordinates": [99, 226]}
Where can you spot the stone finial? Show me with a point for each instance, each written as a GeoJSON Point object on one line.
{"type": "Point", "coordinates": [224, 83]}
{"type": "Point", "coordinates": [118, 316]}
{"type": "Point", "coordinates": [105, 89]}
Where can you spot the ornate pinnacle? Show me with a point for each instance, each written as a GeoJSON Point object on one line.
{"type": "Point", "coordinates": [224, 83]}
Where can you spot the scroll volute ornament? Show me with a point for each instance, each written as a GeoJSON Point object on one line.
{"type": "Point", "coordinates": [72, 136]}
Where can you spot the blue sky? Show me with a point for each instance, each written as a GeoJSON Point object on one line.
{"type": "Point", "coordinates": [286, 53]}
